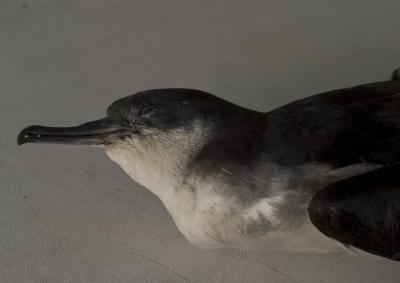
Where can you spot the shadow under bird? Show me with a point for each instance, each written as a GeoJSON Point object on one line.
{"type": "Point", "coordinates": [321, 174]}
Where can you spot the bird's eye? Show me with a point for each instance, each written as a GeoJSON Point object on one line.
{"type": "Point", "coordinates": [146, 111]}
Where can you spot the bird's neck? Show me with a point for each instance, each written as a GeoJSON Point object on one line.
{"type": "Point", "coordinates": [158, 162]}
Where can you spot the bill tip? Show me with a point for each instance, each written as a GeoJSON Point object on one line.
{"type": "Point", "coordinates": [24, 136]}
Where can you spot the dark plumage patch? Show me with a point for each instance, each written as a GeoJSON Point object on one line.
{"type": "Point", "coordinates": [362, 211]}
{"type": "Point", "coordinates": [396, 75]}
{"type": "Point", "coordinates": [171, 108]}
{"type": "Point", "coordinates": [338, 128]}
{"type": "Point", "coordinates": [341, 127]}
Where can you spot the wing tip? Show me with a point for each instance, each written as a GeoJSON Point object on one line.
{"type": "Point", "coordinates": [396, 75]}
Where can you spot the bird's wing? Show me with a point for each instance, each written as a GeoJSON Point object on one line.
{"type": "Point", "coordinates": [342, 127]}
{"type": "Point", "coordinates": [362, 211]}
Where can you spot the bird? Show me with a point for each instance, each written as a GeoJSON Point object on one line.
{"type": "Point", "coordinates": [317, 175]}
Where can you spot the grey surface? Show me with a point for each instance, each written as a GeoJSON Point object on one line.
{"type": "Point", "coordinates": [68, 214]}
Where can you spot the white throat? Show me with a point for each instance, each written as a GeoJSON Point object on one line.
{"type": "Point", "coordinates": [158, 161]}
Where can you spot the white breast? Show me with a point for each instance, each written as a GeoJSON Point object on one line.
{"type": "Point", "coordinates": [208, 219]}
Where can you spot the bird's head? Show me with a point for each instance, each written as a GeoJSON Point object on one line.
{"type": "Point", "coordinates": [146, 114]}
{"type": "Point", "coordinates": [154, 126]}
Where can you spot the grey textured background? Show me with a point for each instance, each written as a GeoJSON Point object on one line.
{"type": "Point", "coordinates": [68, 214]}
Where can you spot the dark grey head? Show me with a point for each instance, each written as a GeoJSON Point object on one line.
{"type": "Point", "coordinates": [144, 113]}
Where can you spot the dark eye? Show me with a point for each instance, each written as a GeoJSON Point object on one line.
{"type": "Point", "coordinates": [146, 111]}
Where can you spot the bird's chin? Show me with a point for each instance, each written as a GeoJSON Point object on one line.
{"type": "Point", "coordinates": [98, 133]}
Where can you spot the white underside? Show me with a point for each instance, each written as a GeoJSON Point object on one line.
{"type": "Point", "coordinates": [210, 220]}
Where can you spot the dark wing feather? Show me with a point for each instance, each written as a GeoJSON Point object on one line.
{"type": "Point", "coordinates": [341, 127]}
{"type": "Point", "coordinates": [362, 211]}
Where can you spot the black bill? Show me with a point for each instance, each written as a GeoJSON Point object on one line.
{"type": "Point", "coordinates": [91, 133]}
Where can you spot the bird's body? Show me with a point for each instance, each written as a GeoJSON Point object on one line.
{"type": "Point", "coordinates": [232, 177]}
{"type": "Point", "coordinates": [232, 205]}
{"type": "Point", "coordinates": [211, 213]}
